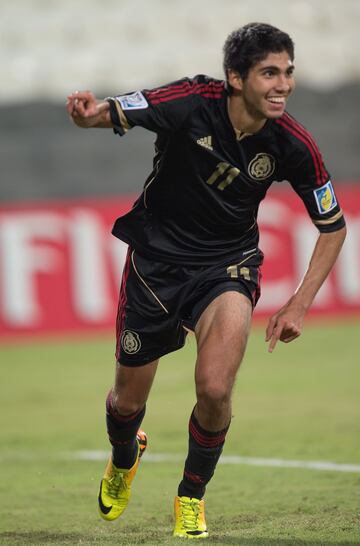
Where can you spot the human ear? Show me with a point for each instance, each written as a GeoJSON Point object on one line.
{"type": "Point", "coordinates": [235, 80]}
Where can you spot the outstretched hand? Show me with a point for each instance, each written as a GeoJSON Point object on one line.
{"type": "Point", "coordinates": [286, 325]}
{"type": "Point", "coordinates": [84, 109]}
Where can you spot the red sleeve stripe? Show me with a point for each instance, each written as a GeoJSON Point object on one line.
{"type": "Point", "coordinates": [186, 85]}
{"type": "Point", "coordinates": [168, 89]}
{"type": "Point", "coordinates": [300, 132]}
{"type": "Point", "coordinates": [181, 95]}
{"type": "Point", "coordinates": [206, 90]}
{"type": "Point", "coordinates": [292, 131]}
{"type": "Point", "coordinates": [306, 133]}
{"type": "Point", "coordinates": [188, 89]}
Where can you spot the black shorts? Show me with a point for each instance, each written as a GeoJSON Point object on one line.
{"type": "Point", "coordinates": [159, 302]}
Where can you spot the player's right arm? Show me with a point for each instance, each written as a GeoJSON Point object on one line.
{"type": "Point", "coordinates": [86, 110]}
{"type": "Point", "coordinates": [163, 109]}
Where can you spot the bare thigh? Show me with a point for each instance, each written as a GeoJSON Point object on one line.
{"type": "Point", "coordinates": [221, 333]}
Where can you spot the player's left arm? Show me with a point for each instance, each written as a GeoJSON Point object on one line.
{"type": "Point", "coordinates": [311, 181]}
{"type": "Point", "coordinates": [287, 323]}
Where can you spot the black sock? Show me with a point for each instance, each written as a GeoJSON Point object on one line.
{"type": "Point", "coordinates": [205, 448]}
{"type": "Point", "coordinates": [122, 431]}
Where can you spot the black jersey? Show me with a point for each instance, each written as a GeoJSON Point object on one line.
{"type": "Point", "coordinates": [200, 203]}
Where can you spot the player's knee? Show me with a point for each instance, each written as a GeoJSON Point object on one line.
{"type": "Point", "coordinates": [124, 405]}
{"type": "Point", "coordinates": [213, 394]}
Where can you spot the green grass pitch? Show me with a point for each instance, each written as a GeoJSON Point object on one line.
{"type": "Point", "coordinates": [300, 403]}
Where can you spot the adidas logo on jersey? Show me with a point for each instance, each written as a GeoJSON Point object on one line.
{"type": "Point", "coordinates": [205, 142]}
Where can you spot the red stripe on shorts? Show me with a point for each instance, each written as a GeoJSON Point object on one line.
{"type": "Point", "coordinates": [120, 319]}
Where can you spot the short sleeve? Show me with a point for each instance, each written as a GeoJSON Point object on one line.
{"type": "Point", "coordinates": [162, 109]}
{"type": "Point", "coordinates": [310, 179]}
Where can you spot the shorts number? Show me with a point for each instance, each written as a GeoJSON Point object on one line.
{"type": "Point", "coordinates": [235, 272]}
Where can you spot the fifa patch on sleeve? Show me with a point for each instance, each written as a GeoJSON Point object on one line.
{"type": "Point", "coordinates": [325, 198]}
{"type": "Point", "coordinates": [134, 101]}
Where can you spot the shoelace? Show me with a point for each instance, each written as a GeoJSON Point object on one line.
{"type": "Point", "coordinates": [116, 483]}
{"type": "Point", "coordinates": [190, 512]}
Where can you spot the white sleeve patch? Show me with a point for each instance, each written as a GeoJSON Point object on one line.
{"type": "Point", "coordinates": [325, 198]}
{"type": "Point", "coordinates": [135, 101]}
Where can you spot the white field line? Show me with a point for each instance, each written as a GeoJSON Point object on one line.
{"type": "Point", "coordinates": [225, 459]}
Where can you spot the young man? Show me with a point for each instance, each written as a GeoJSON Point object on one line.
{"type": "Point", "coordinates": [193, 260]}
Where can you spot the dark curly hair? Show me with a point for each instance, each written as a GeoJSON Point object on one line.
{"type": "Point", "coordinates": [251, 44]}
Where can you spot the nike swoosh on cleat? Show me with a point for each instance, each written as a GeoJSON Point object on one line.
{"type": "Point", "coordinates": [103, 508]}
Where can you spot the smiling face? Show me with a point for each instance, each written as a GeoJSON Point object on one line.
{"type": "Point", "coordinates": [264, 92]}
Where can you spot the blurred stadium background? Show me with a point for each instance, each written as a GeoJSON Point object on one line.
{"type": "Point", "coordinates": [49, 49]}
{"type": "Point", "coordinates": [61, 189]}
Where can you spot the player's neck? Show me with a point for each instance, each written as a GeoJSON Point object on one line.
{"type": "Point", "coordinates": [241, 119]}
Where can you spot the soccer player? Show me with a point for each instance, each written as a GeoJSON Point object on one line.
{"type": "Point", "coordinates": [193, 261]}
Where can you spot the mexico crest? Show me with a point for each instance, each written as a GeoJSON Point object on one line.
{"type": "Point", "coordinates": [130, 342]}
{"type": "Point", "coordinates": [262, 166]}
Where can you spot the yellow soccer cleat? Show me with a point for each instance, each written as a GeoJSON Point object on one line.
{"type": "Point", "coordinates": [115, 487]}
{"type": "Point", "coordinates": [190, 518]}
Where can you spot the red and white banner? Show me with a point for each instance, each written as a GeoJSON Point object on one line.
{"type": "Point", "coordinates": [60, 267]}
